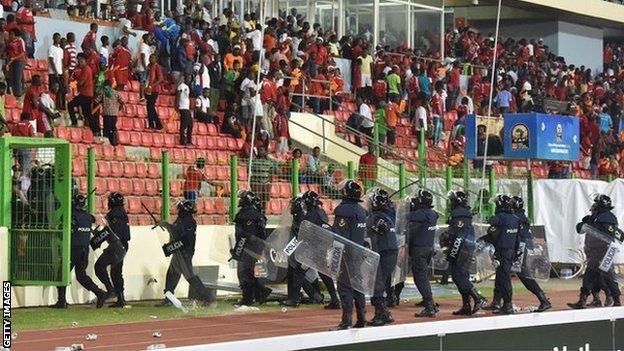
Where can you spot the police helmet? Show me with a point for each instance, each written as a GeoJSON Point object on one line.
{"type": "Point", "coordinates": [601, 202]}
{"type": "Point", "coordinates": [503, 202]}
{"type": "Point", "coordinates": [422, 199]}
{"type": "Point", "coordinates": [248, 199]}
{"type": "Point", "coordinates": [186, 206]}
{"type": "Point", "coordinates": [517, 203]}
{"type": "Point", "coordinates": [79, 202]}
{"type": "Point", "coordinates": [458, 198]}
{"type": "Point", "coordinates": [115, 199]}
{"type": "Point", "coordinates": [352, 190]}
{"type": "Point", "coordinates": [380, 199]}
{"type": "Point", "coordinates": [297, 206]}
{"type": "Point", "coordinates": [311, 199]}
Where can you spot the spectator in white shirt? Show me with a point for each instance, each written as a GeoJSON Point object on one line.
{"type": "Point", "coordinates": [248, 87]}
{"type": "Point", "coordinates": [142, 61]}
{"type": "Point", "coordinates": [104, 52]}
{"type": "Point", "coordinates": [256, 39]}
{"type": "Point", "coordinates": [202, 108]}
{"type": "Point", "coordinates": [202, 76]}
{"type": "Point", "coordinates": [183, 102]}
{"type": "Point", "coordinates": [366, 126]}
{"type": "Point", "coordinates": [55, 67]}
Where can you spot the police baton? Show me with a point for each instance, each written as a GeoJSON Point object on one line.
{"type": "Point", "coordinates": [153, 218]}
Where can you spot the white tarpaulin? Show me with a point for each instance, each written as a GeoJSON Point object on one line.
{"type": "Point", "coordinates": [561, 204]}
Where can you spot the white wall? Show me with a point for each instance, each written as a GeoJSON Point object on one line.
{"type": "Point", "coordinates": [145, 260]}
{"type": "Point", "coordinates": [581, 45]}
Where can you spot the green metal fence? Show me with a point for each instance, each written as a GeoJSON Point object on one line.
{"type": "Point", "coordinates": [35, 203]}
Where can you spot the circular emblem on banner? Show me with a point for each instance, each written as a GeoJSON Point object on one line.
{"type": "Point", "coordinates": [519, 137]}
{"type": "Point", "coordinates": [559, 132]}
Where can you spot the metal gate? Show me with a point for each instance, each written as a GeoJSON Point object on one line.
{"type": "Point", "coordinates": [35, 203]}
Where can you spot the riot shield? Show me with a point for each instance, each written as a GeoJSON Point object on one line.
{"type": "Point", "coordinates": [600, 248]}
{"type": "Point", "coordinates": [402, 224]}
{"type": "Point", "coordinates": [278, 241]}
{"type": "Point", "coordinates": [439, 261]}
{"type": "Point", "coordinates": [536, 262]}
{"type": "Point", "coordinates": [485, 262]}
{"type": "Point", "coordinates": [337, 257]}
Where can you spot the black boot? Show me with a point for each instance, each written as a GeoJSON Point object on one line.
{"type": "Point", "coordinates": [608, 301]}
{"type": "Point", "coordinates": [378, 317]}
{"type": "Point", "coordinates": [596, 300]}
{"type": "Point", "coordinates": [616, 301]}
{"type": "Point", "coordinates": [318, 298]}
{"type": "Point", "coordinates": [290, 303]}
{"type": "Point", "coordinates": [479, 301]}
{"type": "Point", "coordinates": [506, 309]}
{"type": "Point", "coordinates": [262, 293]}
{"type": "Point", "coordinates": [121, 301]}
{"type": "Point", "coordinates": [465, 310]}
{"type": "Point", "coordinates": [248, 297]}
{"type": "Point", "coordinates": [580, 304]}
{"type": "Point", "coordinates": [429, 311]}
{"type": "Point", "coordinates": [361, 318]}
{"type": "Point", "coordinates": [345, 322]}
{"type": "Point", "coordinates": [61, 302]}
{"type": "Point", "coordinates": [101, 298]}
{"type": "Point", "coordinates": [544, 302]}
{"type": "Point", "coordinates": [495, 305]}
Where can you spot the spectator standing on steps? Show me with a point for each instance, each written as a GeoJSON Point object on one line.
{"type": "Point", "coordinates": [183, 102]}
{"type": "Point", "coordinates": [111, 104]}
{"type": "Point", "coordinates": [84, 99]}
{"type": "Point", "coordinates": [194, 176]}
{"type": "Point", "coordinates": [14, 68]}
{"type": "Point", "coordinates": [55, 68]}
{"type": "Point", "coordinates": [367, 167]}
{"type": "Point", "coordinates": [262, 168]}
{"type": "Point", "coordinates": [155, 78]}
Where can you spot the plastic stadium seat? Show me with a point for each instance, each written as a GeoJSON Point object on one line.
{"type": "Point", "coordinates": [123, 95]}
{"type": "Point", "coordinates": [120, 153]}
{"type": "Point", "coordinates": [275, 190]}
{"type": "Point", "coordinates": [130, 110]}
{"type": "Point", "coordinates": [135, 139]}
{"type": "Point", "coordinates": [169, 140]}
{"type": "Point", "coordinates": [155, 154]}
{"type": "Point", "coordinates": [82, 185]}
{"type": "Point", "coordinates": [211, 172]}
{"type": "Point", "coordinates": [100, 186]}
{"type": "Point", "coordinates": [79, 167]}
{"type": "Point", "coordinates": [209, 206]}
{"type": "Point", "coordinates": [141, 111]}
{"type": "Point", "coordinates": [175, 188]}
{"type": "Point", "coordinates": [125, 123]}
{"type": "Point", "coordinates": [141, 170]}
{"type": "Point", "coordinates": [138, 124]}
{"type": "Point", "coordinates": [108, 152]}
{"type": "Point", "coordinates": [199, 206]}
{"type": "Point", "coordinates": [205, 220]}
{"type": "Point", "coordinates": [223, 158]}
{"type": "Point", "coordinates": [223, 173]}
{"type": "Point", "coordinates": [153, 170]}
{"type": "Point", "coordinates": [285, 190]}
{"type": "Point", "coordinates": [211, 143]}
{"type": "Point", "coordinates": [129, 169]}
{"type": "Point", "coordinates": [220, 206]}
{"type": "Point", "coordinates": [222, 144]}
{"type": "Point", "coordinates": [147, 139]}
{"type": "Point", "coordinates": [116, 169]}
{"type": "Point", "coordinates": [212, 129]}
{"type": "Point", "coordinates": [75, 135]}
{"type": "Point", "coordinates": [103, 169]}
{"type": "Point", "coordinates": [172, 127]}
{"type": "Point", "coordinates": [134, 205]}
{"type": "Point", "coordinates": [273, 207]}
{"type": "Point", "coordinates": [10, 101]}
{"type": "Point", "coordinates": [133, 98]}
{"type": "Point", "coordinates": [211, 157]}
{"type": "Point", "coordinates": [125, 186]}
{"type": "Point", "coordinates": [151, 187]}
{"type": "Point", "coordinates": [138, 187]}
{"type": "Point", "coordinates": [242, 173]}
{"type": "Point", "coordinates": [200, 141]}
{"type": "Point", "coordinates": [200, 128]}
{"type": "Point", "coordinates": [232, 144]}
{"type": "Point", "coordinates": [177, 155]}
{"type": "Point", "coordinates": [189, 156]}
{"type": "Point", "coordinates": [158, 139]}
{"type": "Point", "coordinates": [112, 184]}
{"type": "Point", "coordinates": [136, 86]}
{"type": "Point", "coordinates": [124, 137]}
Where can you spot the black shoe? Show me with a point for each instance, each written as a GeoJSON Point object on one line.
{"type": "Point", "coordinates": [341, 326]}
{"type": "Point", "coordinates": [262, 295]}
{"type": "Point", "coordinates": [420, 304]}
{"type": "Point", "coordinates": [360, 324]}
{"type": "Point", "coordinates": [378, 319]}
{"type": "Point", "coordinates": [616, 301]}
{"type": "Point", "coordinates": [290, 303]}
{"type": "Point", "coordinates": [429, 311]}
{"type": "Point", "coordinates": [464, 311]}
{"type": "Point", "coordinates": [333, 305]}
{"type": "Point", "coordinates": [60, 304]}
{"type": "Point", "coordinates": [580, 304]}
{"type": "Point", "coordinates": [243, 302]}
{"type": "Point", "coordinates": [596, 301]}
{"type": "Point", "coordinates": [318, 298]}
{"type": "Point", "coordinates": [101, 298]}
{"type": "Point", "coordinates": [608, 301]}
{"type": "Point", "coordinates": [494, 306]}
{"type": "Point", "coordinates": [121, 302]}
{"type": "Point", "coordinates": [164, 303]}
{"type": "Point", "coordinates": [506, 309]}
{"type": "Point", "coordinates": [479, 301]}
{"type": "Point", "coordinates": [544, 302]}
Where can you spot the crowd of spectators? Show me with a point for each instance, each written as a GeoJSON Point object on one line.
{"type": "Point", "coordinates": [213, 63]}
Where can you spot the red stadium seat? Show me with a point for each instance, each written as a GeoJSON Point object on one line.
{"type": "Point", "coordinates": [130, 169]}
{"type": "Point", "coordinates": [112, 184]}
{"type": "Point", "coordinates": [209, 207]}
{"type": "Point", "coordinates": [62, 133]}
{"type": "Point", "coordinates": [138, 124]}
{"type": "Point", "coordinates": [158, 139]}
{"type": "Point", "coordinates": [141, 170]}
{"type": "Point", "coordinates": [153, 170]}
{"type": "Point", "coordinates": [211, 143]}
{"type": "Point", "coordinates": [222, 144]}
{"type": "Point", "coordinates": [189, 156]}
{"type": "Point", "coordinates": [141, 111]}
{"type": "Point", "coordinates": [177, 155]}
{"type": "Point", "coordinates": [103, 169]}
{"type": "Point", "coordinates": [169, 140]}
{"type": "Point", "coordinates": [125, 186]}
{"type": "Point", "coordinates": [100, 186]}
{"type": "Point", "coordinates": [200, 128]}
{"type": "Point", "coordinates": [138, 187]}
{"type": "Point", "coordinates": [130, 110]}
{"type": "Point", "coordinates": [175, 188]}
{"type": "Point", "coordinates": [223, 158]}
{"type": "Point", "coordinates": [135, 139]}
{"type": "Point", "coordinates": [242, 173]}
{"type": "Point", "coordinates": [200, 141]}
{"type": "Point", "coordinates": [120, 153]}
{"type": "Point", "coordinates": [285, 190]}
{"type": "Point", "coordinates": [124, 137]}
{"type": "Point", "coordinates": [134, 205]}
{"type": "Point", "coordinates": [147, 139]}
{"type": "Point", "coordinates": [108, 152]}
{"type": "Point", "coordinates": [10, 101]}
{"type": "Point", "coordinates": [133, 98]}
{"type": "Point", "coordinates": [220, 206]}
{"type": "Point", "coordinates": [151, 187]}
{"type": "Point", "coordinates": [75, 135]}
{"type": "Point", "coordinates": [123, 95]}
{"type": "Point", "coordinates": [211, 172]}
{"type": "Point", "coordinates": [156, 154]}
{"type": "Point", "coordinates": [212, 129]}
{"type": "Point", "coordinates": [125, 123]}
{"type": "Point", "coordinates": [79, 167]}
{"type": "Point", "coordinates": [211, 157]}
{"type": "Point", "coordinates": [232, 144]}
{"type": "Point", "coordinates": [117, 169]}
{"type": "Point", "coordinates": [223, 173]}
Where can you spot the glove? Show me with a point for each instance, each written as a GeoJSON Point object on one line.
{"type": "Point", "coordinates": [381, 227]}
{"type": "Point", "coordinates": [579, 227]}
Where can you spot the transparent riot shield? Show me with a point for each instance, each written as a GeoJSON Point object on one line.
{"type": "Point", "coordinates": [278, 241]}
{"type": "Point", "coordinates": [337, 257]}
{"type": "Point", "coordinates": [536, 263]}
{"type": "Point", "coordinates": [603, 250]}
{"type": "Point", "coordinates": [439, 261]}
{"type": "Point", "coordinates": [485, 262]}
{"type": "Point", "coordinates": [402, 224]}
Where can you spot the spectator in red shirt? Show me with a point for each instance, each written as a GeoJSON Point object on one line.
{"type": "Point", "coordinates": [281, 132]}
{"type": "Point", "coordinates": [380, 88]}
{"type": "Point", "coordinates": [194, 177]}
{"type": "Point", "coordinates": [119, 62]}
{"type": "Point", "coordinates": [26, 20]}
{"type": "Point", "coordinates": [367, 167]}
{"type": "Point", "coordinates": [89, 39]}
{"type": "Point", "coordinates": [155, 78]}
{"type": "Point", "coordinates": [16, 55]}
{"type": "Point", "coordinates": [268, 98]}
{"type": "Point", "coordinates": [69, 55]}
{"type": "Point", "coordinates": [31, 103]}
{"type": "Point", "coordinates": [23, 128]}
{"type": "Point", "coordinates": [84, 99]}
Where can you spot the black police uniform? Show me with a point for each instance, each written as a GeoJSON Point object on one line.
{"type": "Point", "coordinates": [249, 222]}
{"type": "Point", "coordinates": [318, 216]}
{"type": "Point", "coordinates": [504, 230]}
{"type": "Point", "coordinates": [594, 279]}
{"type": "Point", "coordinates": [81, 234]}
{"type": "Point", "coordinates": [461, 230]}
{"type": "Point", "coordinates": [350, 222]}
{"type": "Point", "coordinates": [421, 233]}
{"type": "Point", "coordinates": [381, 230]}
{"type": "Point", "coordinates": [114, 254]}
{"type": "Point", "coordinates": [297, 275]}
{"type": "Point", "coordinates": [525, 236]}
{"type": "Point", "coordinates": [185, 230]}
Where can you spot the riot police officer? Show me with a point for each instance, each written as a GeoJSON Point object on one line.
{"type": "Point", "coordinates": [250, 222]}
{"type": "Point", "coordinates": [603, 220]}
{"type": "Point", "coordinates": [350, 222]}
{"type": "Point", "coordinates": [503, 234]}
{"type": "Point", "coordinates": [81, 233]}
{"type": "Point", "coordinates": [296, 274]}
{"type": "Point", "coordinates": [421, 230]}
{"type": "Point", "coordinates": [460, 241]}
{"type": "Point", "coordinates": [381, 229]}
{"type": "Point", "coordinates": [113, 255]}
